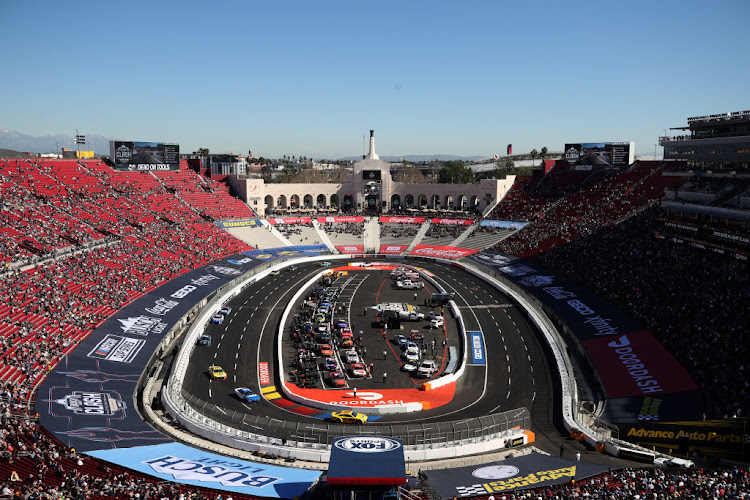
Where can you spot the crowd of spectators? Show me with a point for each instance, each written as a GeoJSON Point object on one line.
{"type": "Point", "coordinates": [399, 230]}
{"type": "Point", "coordinates": [442, 231]}
{"type": "Point", "coordinates": [353, 228]}
{"type": "Point", "coordinates": [646, 484]}
{"type": "Point", "coordinates": [293, 229]}
{"type": "Point", "coordinates": [695, 302]}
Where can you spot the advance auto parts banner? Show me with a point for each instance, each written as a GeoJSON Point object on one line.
{"type": "Point", "coordinates": [526, 472]}
{"type": "Point", "coordinates": [182, 464]}
{"type": "Point", "coordinates": [713, 436]}
{"type": "Point", "coordinates": [86, 401]}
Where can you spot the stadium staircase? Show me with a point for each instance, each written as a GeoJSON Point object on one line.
{"type": "Point", "coordinates": [420, 234]}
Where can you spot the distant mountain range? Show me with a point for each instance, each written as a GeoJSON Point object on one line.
{"type": "Point", "coordinates": [10, 139]}
{"type": "Point", "coordinates": [419, 158]}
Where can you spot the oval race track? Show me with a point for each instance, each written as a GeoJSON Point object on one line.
{"type": "Point", "coordinates": [516, 373]}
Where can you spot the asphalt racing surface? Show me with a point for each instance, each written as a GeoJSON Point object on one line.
{"type": "Point", "coordinates": [515, 374]}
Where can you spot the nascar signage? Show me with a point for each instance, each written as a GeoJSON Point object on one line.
{"type": "Point", "coordinates": [392, 249]}
{"type": "Point", "coordinates": [144, 156]}
{"type": "Point", "coordinates": [477, 348]}
{"type": "Point", "coordinates": [350, 248]}
{"type": "Point", "coordinates": [182, 464]}
{"type": "Point", "coordinates": [367, 460]}
{"type": "Point", "coordinates": [445, 252]}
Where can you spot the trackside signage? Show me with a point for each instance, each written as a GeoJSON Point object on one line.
{"type": "Point", "coordinates": [228, 224]}
{"type": "Point", "coordinates": [366, 460]}
{"type": "Point", "coordinates": [179, 463]}
{"type": "Point", "coordinates": [477, 348]}
{"type": "Point", "coordinates": [84, 400]}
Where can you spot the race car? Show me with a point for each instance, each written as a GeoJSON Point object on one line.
{"type": "Point", "coordinates": [410, 367]}
{"type": "Point", "coordinates": [411, 354]}
{"type": "Point", "coordinates": [348, 343]}
{"type": "Point", "coordinates": [400, 340]}
{"type": "Point", "coordinates": [246, 394]}
{"type": "Point", "coordinates": [348, 417]}
{"type": "Point", "coordinates": [225, 310]}
{"type": "Point", "coordinates": [337, 379]}
{"type": "Point", "coordinates": [204, 340]}
{"type": "Point", "coordinates": [217, 318]}
{"type": "Point", "coordinates": [351, 356]}
{"type": "Point", "coordinates": [436, 323]}
{"type": "Point", "coordinates": [216, 372]}
{"type": "Point", "coordinates": [331, 364]}
{"type": "Point", "coordinates": [358, 370]}
{"type": "Point", "coordinates": [325, 350]}
{"type": "Point", "coordinates": [324, 264]}
{"type": "Point", "coordinates": [427, 368]}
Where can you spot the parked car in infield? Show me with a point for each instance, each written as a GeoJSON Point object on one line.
{"type": "Point", "coordinates": [436, 323]}
{"type": "Point", "coordinates": [246, 395]}
{"type": "Point", "coordinates": [348, 417]}
{"type": "Point", "coordinates": [411, 354]}
{"type": "Point", "coordinates": [427, 368]}
{"type": "Point", "coordinates": [216, 372]}
{"type": "Point", "coordinates": [410, 367]}
{"type": "Point", "coordinates": [409, 285]}
{"type": "Point", "coordinates": [331, 364]}
{"type": "Point", "coordinates": [337, 379]}
{"type": "Point", "coordinates": [358, 370]}
{"type": "Point", "coordinates": [351, 356]}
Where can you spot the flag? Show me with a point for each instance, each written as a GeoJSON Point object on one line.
{"type": "Point", "coordinates": [510, 149]}
{"type": "Point", "coordinates": [496, 157]}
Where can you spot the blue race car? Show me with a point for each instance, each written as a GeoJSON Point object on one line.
{"type": "Point", "coordinates": [225, 310]}
{"type": "Point", "coordinates": [217, 318]}
{"type": "Point", "coordinates": [247, 395]}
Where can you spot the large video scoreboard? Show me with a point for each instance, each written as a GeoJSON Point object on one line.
{"type": "Point", "coordinates": [130, 155]}
{"type": "Point", "coordinates": [595, 155]}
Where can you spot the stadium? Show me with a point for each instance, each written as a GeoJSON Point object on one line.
{"type": "Point", "coordinates": [179, 333]}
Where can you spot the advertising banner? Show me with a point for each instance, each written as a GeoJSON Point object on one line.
{"type": "Point", "coordinates": [280, 252]}
{"type": "Point", "coordinates": [388, 219]}
{"type": "Point", "coordinates": [239, 223]}
{"type": "Point", "coordinates": [654, 408]}
{"type": "Point", "coordinates": [392, 249]}
{"type": "Point", "coordinates": [325, 220]}
{"type": "Point", "coordinates": [515, 474]}
{"type": "Point", "coordinates": [600, 154]}
{"type": "Point", "coordinates": [445, 252]}
{"type": "Point", "coordinates": [713, 436]}
{"type": "Point", "coordinates": [184, 465]}
{"type": "Point", "coordinates": [453, 222]}
{"type": "Point", "coordinates": [636, 364]}
{"type": "Point", "coordinates": [86, 401]}
{"type": "Point", "coordinates": [502, 224]}
{"type": "Point", "coordinates": [351, 248]}
{"type": "Point", "coordinates": [144, 156]}
{"type": "Point", "coordinates": [477, 348]}
{"type": "Point", "coordinates": [367, 460]}
{"type": "Point", "coordinates": [289, 220]}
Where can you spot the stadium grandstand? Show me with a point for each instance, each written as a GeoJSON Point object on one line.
{"type": "Point", "coordinates": [666, 241]}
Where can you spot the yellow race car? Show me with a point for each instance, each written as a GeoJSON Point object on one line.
{"type": "Point", "coordinates": [216, 372]}
{"type": "Point", "coordinates": [348, 417]}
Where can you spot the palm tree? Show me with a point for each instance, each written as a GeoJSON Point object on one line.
{"type": "Point", "coordinates": [534, 154]}
{"type": "Point", "coordinates": [543, 152]}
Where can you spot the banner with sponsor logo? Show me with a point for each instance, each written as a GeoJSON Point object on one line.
{"type": "Point", "coordinates": [367, 460]}
{"type": "Point", "coordinates": [636, 364]}
{"type": "Point", "coordinates": [444, 252]}
{"type": "Point", "coordinates": [327, 220]}
{"type": "Point", "coordinates": [502, 224]}
{"type": "Point", "coordinates": [453, 222]}
{"type": "Point", "coordinates": [289, 220]}
{"type": "Point", "coordinates": [515, 474]}
{"type": "Point", "coordinates": [181, 464]}
{"type": "Point", "coordinates": [280, 252]}
{"type": "Point", "coordinates": [350, 248]}
{"type": "Point", "coordinates": [86, 401]}
{"type": "Point", "coordinates": [395, 219]}
{"type": "Point", "coordinates": [239, 223]}
{"type": "Point", "coordinates": [477, 348]}
{"type": "Point", "coordinates": [392, 249]}
{"type": "Point", "coordinates": [726, 437]}
{"type": "Point", "coordinates": [660, 407]}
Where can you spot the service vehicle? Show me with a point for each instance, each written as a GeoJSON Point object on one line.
{"type": "Point", "coordinates": [246, 394]}
{"type": "Point", "coordinates": [427, 368]}
{"type": "Point", "coordinates": [442, 298]}
{"type": "Point", "coordinates": [216, 372]}
{"type": "Point", "coordinates": [217, 318]}
{"type": "Point", "coordinates": [434, 315]}
{"type": "Point", "coordinates": [399, 310]}
{"type": "Point", "coordinates": [348, 417]}
{"type": "Point", "coordinates": [204, 339]}
{"type": "Point", "coordinates": [409, 285]}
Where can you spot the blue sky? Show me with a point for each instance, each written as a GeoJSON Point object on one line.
{"type": "Point", "coordinates": [310, 78]}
